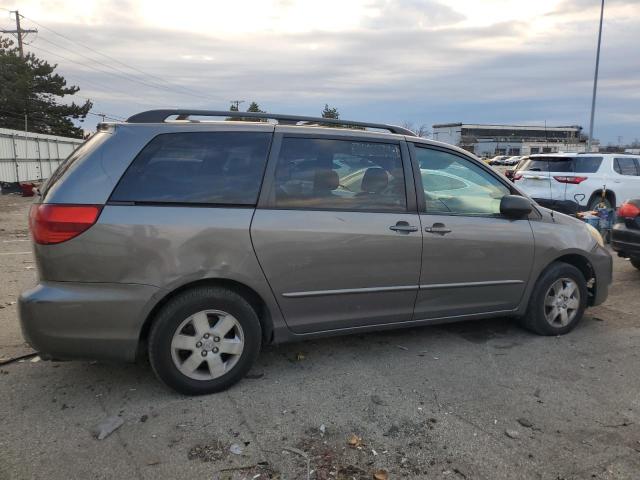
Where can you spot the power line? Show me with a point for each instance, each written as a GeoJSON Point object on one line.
{"type": "Point", "coordinates": [170, 87]}
{"type": "Point", "coordinates": [118, 71]}
{"type": "Point", "coordinates": [91, 82]}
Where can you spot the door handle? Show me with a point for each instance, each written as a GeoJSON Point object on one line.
{"type": "Point", "coordinates": [403, 227]}
{"type": "Point", "coordinates": [438, 228]}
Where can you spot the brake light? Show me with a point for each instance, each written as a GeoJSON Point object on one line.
{"type": "Point", "coordinates": [516, 176]}
{"type": "Point", "coordinates": [572, 180]}
{"type": "Point", "coordinates": [628, 210]}
{"type": "Point", "coordinates": [58, 223]}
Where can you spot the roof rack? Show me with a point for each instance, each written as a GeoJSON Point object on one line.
{"type": "Point", "coordinates": [159, 116]}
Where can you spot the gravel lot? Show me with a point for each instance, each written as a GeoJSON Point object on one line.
{"type": "Point", "coordinates": [475, 400]}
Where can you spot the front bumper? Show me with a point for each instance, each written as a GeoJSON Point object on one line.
{"type": "Point", "coordinates": [625, 240]}
{"type": "Point", "coordinates": [602, 264]}
{"type": "Point", "coordinates": [66, 320]}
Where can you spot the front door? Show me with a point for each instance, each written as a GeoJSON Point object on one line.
{"type": "Point", "coordinates": [474, 260]}
{"type": "Point", "coordinates": [336, 237]}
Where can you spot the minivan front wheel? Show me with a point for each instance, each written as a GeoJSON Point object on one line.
{"type": "Point", "coordinates": [558, 301]}
{"type": "Point", "coordinates": [204, 340]}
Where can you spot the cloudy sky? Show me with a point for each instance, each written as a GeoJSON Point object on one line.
{"type": "Point", "coordinates": [424, 61]}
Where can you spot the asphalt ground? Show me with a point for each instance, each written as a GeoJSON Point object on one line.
{"type": "Point", "coordinates": [473, 400]}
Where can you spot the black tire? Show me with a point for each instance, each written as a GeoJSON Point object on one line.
{"type": "Point", "coordinates": [182, 306]}
{"type": "Point", "coordinates": [535, 319]}
{"type": "Point", "coordinates": [635, 261]}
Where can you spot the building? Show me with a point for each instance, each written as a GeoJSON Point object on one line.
{"type": "Point", "coordinates": [490, 140]}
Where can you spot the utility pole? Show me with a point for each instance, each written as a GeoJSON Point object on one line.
{"type": "Point", "coordinates": [595, 80]}
{"type": "Point", "coordinates": [237, 103]}
{"type": "Point", "coordinates": [19, 32]}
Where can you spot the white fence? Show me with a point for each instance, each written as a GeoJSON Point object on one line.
{"type": "Point", "coordinates": [26, 156]}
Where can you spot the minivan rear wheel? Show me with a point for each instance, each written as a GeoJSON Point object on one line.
{"type": "Point", "coordinates": [204, 340]}
{"type": "Point", "coordinates": [558, 301]}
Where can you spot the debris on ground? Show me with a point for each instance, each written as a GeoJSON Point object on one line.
{"type": "Point", "coordinates": [107, 426]}
{"type": "Point", "coordinates": [378, 401]}
{"type": "Point", "coordinates": [236, 449]}
{"type": "Point", "coordinates": [381, 475]}
{"type": "Point", "coordinates": [323, 429]}
{"type": "Point", "coordinates": [212, 452]}
{"type": "Point", "coordinates": [512, 434]}
{"type": "Point", "coordinates": [299, 356]}
{"type": "Point", "coordinates": [525, 422]}
{"type": "Point", "coordinates": [355, 441]}
{"type": "Point", "coordinates": [20, 358]}
{"type": "Point", "coordinates": [402, 347]}
{"type": "Point", "coordinates": [144, 418]}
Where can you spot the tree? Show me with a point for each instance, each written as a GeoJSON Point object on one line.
{"type": "Point", "coordinates": [29, 87]}
{"type": "Point", "coordinates": [254, 107]}
{"type": "Point", "coordinates": [330, 112]}
{"type": "Point", "coordinates": [420, 131]}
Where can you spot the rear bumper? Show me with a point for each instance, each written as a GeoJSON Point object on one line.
{"type": "Point", "coordinates": [66, 320]}
{"type": "Point", "coordinates": [625, 240]}
{"type": "Point", "coordinates": [563, 206]}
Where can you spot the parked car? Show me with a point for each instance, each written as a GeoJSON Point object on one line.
{"type": "Point", "coordinates": [498, 160]}
{"type": "Point", "coordinates": [512, 171]}
{"type": "Point", "coordinates": [511, 161]}
{"type": "Point", "coordinates": [573, 182]}
{"type": "Point", "coordinates": [195, 243]}
{"type": "Point", "coordinates": [625, 236]}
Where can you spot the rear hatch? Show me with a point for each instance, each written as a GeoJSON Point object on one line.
{"type": "Point", "coordinates": [534, 177]}
{"type": "Point", "coordinates": [550, 177]}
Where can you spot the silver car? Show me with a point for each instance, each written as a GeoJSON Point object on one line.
{"type": "Point", "coordinates": [196, 242]}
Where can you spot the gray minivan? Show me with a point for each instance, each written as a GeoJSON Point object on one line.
{"type": "Point", "coordinates": [194, 242]}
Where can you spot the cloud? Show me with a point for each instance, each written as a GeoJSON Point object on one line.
{"type": "Point", "coordinates": [386, 60]}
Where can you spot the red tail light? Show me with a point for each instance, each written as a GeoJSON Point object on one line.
{"type": "Point", "coordinates": [628, 210]}
{"type": "Point", "coordinates": [58, 223]}
{"type": "Point", "coordinates": [516, 176]}
{"type": "Point", "coordinates": [572, 180]}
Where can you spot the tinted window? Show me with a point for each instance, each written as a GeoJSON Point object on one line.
{"type": "Point", "coordinates": [626, 166]}
{"type": "Point", "coordinates": [197, 167]}
{"type": "Point", "coordinates": [455, 185]}
{"type": "Point", "coordinates": [339, 174]}
{"type": "Point", "coordinates": [586, 164]}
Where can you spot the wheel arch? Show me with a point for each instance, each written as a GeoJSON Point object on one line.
{"type": "Point", "coordinates": [583, 264]}
{"type": "Point", "coordinates": [610, 194]}
{"type": "Point", "coordinates": [248, 293]}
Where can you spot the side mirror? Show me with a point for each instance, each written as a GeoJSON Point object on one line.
{"type": "Point", "coordinates": [513, 206]}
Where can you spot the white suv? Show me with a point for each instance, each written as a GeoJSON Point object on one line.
{"type": "Point", "coordinates": [571, 182]}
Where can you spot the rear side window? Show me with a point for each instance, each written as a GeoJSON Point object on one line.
{"type": "Point", "coordinates": [81, 152]}
{"type": "Point", "coordinates": [197, 167]}
{"type": "Point", "coordinates": [586, 164]}
{"type": "Point", "coordinates": [562, 164]}
{"type": "Point", "coordinates": [626, 166]}
{"type": "Point", "coordinates": [328, 174]}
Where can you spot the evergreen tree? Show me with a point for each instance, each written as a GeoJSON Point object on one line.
{"type": "Point", "coordinates": [29, 86]}
{"type": "Point", "coordinates": [254, 107]}
{"type": "Point", "coordinates": [330, 112]}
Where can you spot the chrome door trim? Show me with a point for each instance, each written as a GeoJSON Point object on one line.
{"type": "Point", "coordinates": [347, 291]}
{"type": "Point", "coordinates": [435, 286]}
